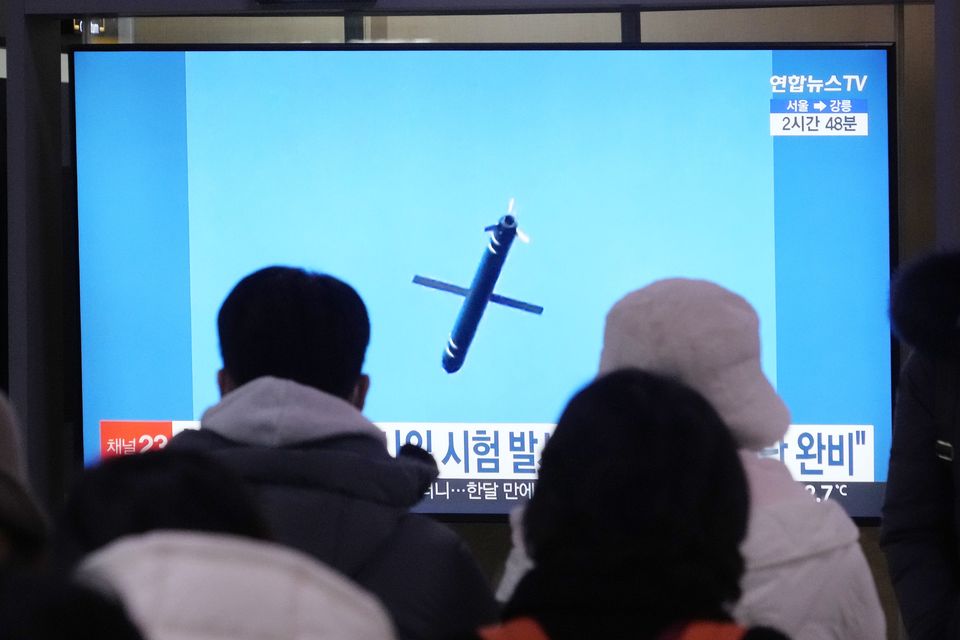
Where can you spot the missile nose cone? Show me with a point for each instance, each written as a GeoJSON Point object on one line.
{"type": "Point", "coordinates": [451, 365]}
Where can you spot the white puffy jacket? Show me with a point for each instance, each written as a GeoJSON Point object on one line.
{"type": "Point", "coordinates": [180, 585]}
{"type": "Point", "coordinates": [805, 572]}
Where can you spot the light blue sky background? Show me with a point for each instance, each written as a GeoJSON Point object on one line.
{"type": "Point", "coordinates": [374, 167]}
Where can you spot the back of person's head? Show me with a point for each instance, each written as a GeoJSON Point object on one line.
{"type": "Point", "coordinates": [642, 480]}
{"type": "Point", "coordinates": [23, 525]}
{"type": "Point", "coordinates": [290, 323]}
{"type": "Point", "coordinates": [150, 491]}
{"type": "Point", "coordinates": [44, 608]}
{"type": "Point", "coordinates": [925, 304]}
{"type": "Point", "coordinates": [708, 338]}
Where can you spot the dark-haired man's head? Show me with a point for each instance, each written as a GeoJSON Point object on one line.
{"type": "Point", "coordinates": [293, 324]}
{"type": "Point", "coordinates": [152, 491]}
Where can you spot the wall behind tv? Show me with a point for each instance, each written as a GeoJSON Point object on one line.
{"type": "Point", "coordinates": [4, 352]}
{"type": "Point", "coordinates": [908, 25]}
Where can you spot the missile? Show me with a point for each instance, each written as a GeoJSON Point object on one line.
{"type": "Point", "coordinates": [480, 292]}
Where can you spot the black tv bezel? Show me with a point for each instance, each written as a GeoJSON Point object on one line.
{"type": "Point", "coordinates": [876, 490]}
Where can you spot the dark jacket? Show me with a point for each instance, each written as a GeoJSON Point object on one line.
{"type": "Point", "coordinates": [328, 487]}
{"type": "Point", "coordinates": [921, 512]}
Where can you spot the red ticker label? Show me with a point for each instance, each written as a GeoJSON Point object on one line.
{"type": "Point", "coordinates": [123, 437]}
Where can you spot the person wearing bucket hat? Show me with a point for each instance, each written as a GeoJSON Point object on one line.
{"type": "Point", "coordinates": [805, 572]}
{"type": "Point", "coordinates": [23, 524]}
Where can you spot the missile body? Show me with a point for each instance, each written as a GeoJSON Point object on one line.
{"type": "Point", "coordinates": [479, 293]}
{"type": "Point", "coordinates": [501, 238]}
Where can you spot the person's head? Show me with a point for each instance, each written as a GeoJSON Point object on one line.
{"type": "Point", "coordinates": [925, 304]}
{"type": "Point", "coordinates": [23, 525]}
{"type": "Point", "coordinates": [642, 478]}
{"type": "Point", "coordinates": [297, 325]}
{"type": "Point", "coordinates": [150, 491]}
{"type": "Point", "coordinates": [708, 338]}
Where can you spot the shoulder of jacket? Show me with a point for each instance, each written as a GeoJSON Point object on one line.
{"type": "Point", "coordinates": [706, 630]}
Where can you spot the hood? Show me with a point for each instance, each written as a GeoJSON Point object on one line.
{"type": "Point", "coordinates": [274, 412]}
{"type": "Point", "coordinates": [925, 304]}
{"type": "Point", "coordinates": [181, 585]}
{"type": "Point", "coordinates": [787, 524]}
{"type": "Point", "coordinates": [276, 433]}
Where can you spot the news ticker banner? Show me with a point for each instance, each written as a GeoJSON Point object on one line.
{"type": "Point", "coordinates": [511, 451]}
{"type": "Point", "coordinates": [827, 452]}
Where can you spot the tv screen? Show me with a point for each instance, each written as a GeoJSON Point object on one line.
{"type": "Point", "coordinates": [407, 172]}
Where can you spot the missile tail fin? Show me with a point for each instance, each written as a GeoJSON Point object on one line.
{"type": "Point", "coordinates": [516, 304]}
{"type": "Point", "coordinates": [441, 286]}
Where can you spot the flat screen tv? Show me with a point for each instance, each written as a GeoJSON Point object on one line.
{"type": "Point", "coordinates": [767, 170]}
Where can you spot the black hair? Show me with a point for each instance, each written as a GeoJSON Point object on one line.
{"type": "Point", "coordinates": [44, 608]}
{"type": "Point", "coordinates": [150, 491]}
{"type": "Point", "coordinates": [290, 323]}
{"type": "Point", "coordinates": [925, 304]}
{"type": "Point", "coordinates": [641, 478]}
{"type": "Point", "coordinates": [26, 539]}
